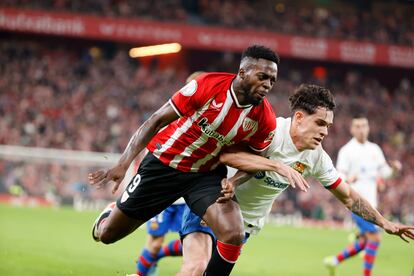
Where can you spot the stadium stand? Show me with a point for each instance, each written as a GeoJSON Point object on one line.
{"type": "Point", "coordinates": [56, 96]}
{"type": "Point", "coordinates": [388, 22]}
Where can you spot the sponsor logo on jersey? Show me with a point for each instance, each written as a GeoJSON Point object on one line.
{"type": "Point", "coordinates": [189, 89]}
{"type": "Point", "coordinates": [249, 124]}
{"type": "Point", "coordinates": [216, 105]}
{"type": "Point", "coordinates": [206, 128]}
{"type": "Point", "coordinates": [271, 182]}
{"type": "Point", "coordinates": [259, 175]}
{"type": "Point", "coordinates": [299, 167]}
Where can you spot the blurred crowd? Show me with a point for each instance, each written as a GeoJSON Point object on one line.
{"type": "Point", "coordinates": [84, 99]}
{"type": "Point", "coordinates": [378, 21]}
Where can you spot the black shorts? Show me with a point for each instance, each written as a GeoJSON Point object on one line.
{"type": "Point", "coordinates": [156, 186]}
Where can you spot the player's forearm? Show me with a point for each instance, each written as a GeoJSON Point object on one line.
{"type": "Point", "coordinates": [240, 177]}
{"type": "Point", "coordinates": [386, 172]}
{"type": "Point", "coordinates": [248, 162]}
{"type": "Point", "coordinates": [364, 209]}
{"type": "Point", "coordinates": [139, 140]}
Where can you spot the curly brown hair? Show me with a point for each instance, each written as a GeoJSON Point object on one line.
{"type": "Point", "coordinates": [309, 97]}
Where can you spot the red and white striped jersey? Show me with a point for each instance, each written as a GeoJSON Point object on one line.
{"type": "Point", "coordinates": [210, 118]}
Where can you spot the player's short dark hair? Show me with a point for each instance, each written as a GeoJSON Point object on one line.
{"type": "Point", "coordinates": [309, 97]}
{"type": "Point", "coordinates": [359, 115]}
{"type": "Point", "coordinates": [259, 51]}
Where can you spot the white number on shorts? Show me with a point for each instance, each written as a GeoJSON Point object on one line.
{"type": "Point", "coordinates": [134, 184]}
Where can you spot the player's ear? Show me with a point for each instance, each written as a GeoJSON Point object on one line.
{"type": "Point", "coordinates": [298, 115]}
{"type": "Point", "coordinates": [242, 73]}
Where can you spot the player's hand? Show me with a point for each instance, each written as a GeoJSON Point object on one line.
{"type": "Point", "coordinates": [227, 189]}
{"type": "Point", "coordinates": [396, 165]}
{"type": "Point", "coordinates": [405, 232]}
{"type": "Point", "coordinates": [295, 179]}
{"type": "Point", "coordinates": [352, 179]}
{"type": "Point", "coordinates": [102, 177]}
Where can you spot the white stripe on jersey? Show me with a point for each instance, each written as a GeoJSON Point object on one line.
{"type": "Point", "coordinates": [180, 130]}
{"type": "Point", "coordinates": [229, 136]}
{"type": "Point", "coordinates": [204, 137]}
{"type": "Point", "coordinates": [175, 108]}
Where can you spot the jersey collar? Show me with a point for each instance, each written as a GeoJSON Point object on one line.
{"type": "Point", "coordinates": [233, 95]}
{"type": "Point", "coordinates": [355, 141]}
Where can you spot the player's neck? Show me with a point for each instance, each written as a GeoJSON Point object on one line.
{"type": "Point", "coordinates": [361, 141]}
{"type": "Point", "coordinates": [296, 139]}
{"type": "Point", "coordinates": [239, 92]}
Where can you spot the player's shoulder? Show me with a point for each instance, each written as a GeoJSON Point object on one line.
{"type": "Point", "coordinates": [214, 83]}
{"type": "Point", "coordinates": [320, 152]}
{"type": "Point", "coordinates": [318, 160]}
{"type": "Point", "coordinates": [374, 146]}
{"type": "Point", "coordinates": [317, 155]}
{"type": "Point", "coordinates": [282, 126]}
{"type": "Point", "coordinates": [348, 146]}
{"type": "Point", "coordinates": [265, 113]}
{"type": "Point", "coordinates": [283, 123]}
{"type": "Point", "coordinates": [267, 106]}
{"type": "Point", "coordinates": [281, 132]}
{"type": "Point", "coordinates": [214, 78]}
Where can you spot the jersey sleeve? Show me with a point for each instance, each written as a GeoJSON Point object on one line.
{"type": "Point", "coordinates": [384, 169]}
{"type": "Point", "coordinates": [263, 137]}
{"type": "Point", "coordinates": [191, 97]}
{"type": "Point", "coordinates": [326, 173]}
{"type": "Point", "coordinates": [343, 163]}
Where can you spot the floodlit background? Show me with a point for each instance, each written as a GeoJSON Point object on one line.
{"type": "Point", "coordinates": [76, 82]}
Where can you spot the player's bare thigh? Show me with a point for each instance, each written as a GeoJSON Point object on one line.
{"type": "Point", "coordinates": [226, 221]}
{"type": "Point", "coordinates": [197, 249]}
{"type": "Point", "coordinates": [117, 226]}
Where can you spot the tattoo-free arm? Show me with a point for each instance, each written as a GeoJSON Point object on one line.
{"type": "Point", "coordinates": [144, 134]}
{"type": "Point", "coordinates": [240, 177]}
{"type": "Point", "coordinates": [229, 185]}
{"type": "Point", "coordinates": [138, 141]}
{"type": "Point", "coordinates": [253, 163]}
{"type": "Point", "coordinates": [248, 162]}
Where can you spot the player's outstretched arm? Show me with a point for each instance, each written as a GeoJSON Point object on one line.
{"type": "Point", "coordinates": [253, 163]}
{"type": "Point", "coordinates": [361, 207]}
{"type": "Point", "coordinates": [137, 143]}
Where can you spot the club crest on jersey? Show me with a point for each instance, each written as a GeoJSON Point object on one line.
{"type": "Point", "coordinates": [299, 167]}
{"type": "Point", "coordinates": [249, 124]}
{"type": "Point", "coordinates": [189, 89]}
{"type": "Point", "coordinates": [154, 225]}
